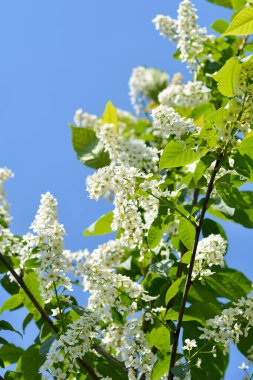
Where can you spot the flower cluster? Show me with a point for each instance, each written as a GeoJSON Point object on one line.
{"type": "Point", "coordinates": [168, 123]}
{"type": "Point", "coordinates": [167, 27]}
{"type": "Point", "coordinates": [231, 324]}
{"type": "Point", "coordinates": [190, 37]}
{"type": "Point", "coordinates": [144, 84]}
{"type": "Point", "coordinates": [71, 345]}
{"type": "Point", "coordinates": [107, 289]}
{"type": "Point", "coordinates": [210, 251]}
{"type": "Point", "coordinates": [85, 120]}
{"type": "Point", "coordinates": [50, 244]}
{"type": "Point", "coordinates": [5, 218]}
{"type": "Point", "coordinates": [132, 152]}
{"type": "Point", "coordinates": [189, 95]}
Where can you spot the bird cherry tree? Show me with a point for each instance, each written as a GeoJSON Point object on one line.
{"type": "Point", "coordinates": [162, 301]}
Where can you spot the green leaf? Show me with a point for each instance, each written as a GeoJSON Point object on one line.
{"type": "Point", "coordinates": [228, 76]}
{"type": "Point", "coordinates": [238, 4]}
{"type": "Point", "coordinates": [45, 346]}
{"type": "Point", "coordinates": [201, 167]}
{"type": "Point", "coordinates": [162, 267]}
{"type": "Point", "coordinates": [11, 375]}
{"type": "Point", "coordinates": [209, 227]}
{"type": "Point", "coordinates": [160, 338]}
{"type": "Point", "coordinates": [226, 286]}
{"type": "Point", "coordinates": [242, 23]}
{"type": "Point", "coordinates": [186, 233]}
{"type": "Point", "coordinates": [110, 115]}
{"type": "Point", "coordinates": [219, 26]}
{"type": "Point", "coordinates": [10, 353]}
{"type": "Point", "coordinates": [200, 112]}
{"type": "Point", "coordinates": [81, 310]}
{"type": "Point", "coordinates": [26, 321]}
{"type": "Point", "coordinates": [158, 227]}
{"type": "Point", "coordinates": [224, 3]}
{"type": "Point", "coordinates": [88, 148]}
{"type": "Point", "coordinates": [175, 288]}
{"type": "Point", "coordinates": [181, 370]}
{"type": "Point", "coordinates": [10, 286]}
{"type": "Point", "coordinates": [246, 147]}
{"type": "Point", "coordinates": [4, 325]}
{"type": "Point", "coordinates": [31, 281]}
{"type": "Point", "coordinates": [31, 361]}
{"type": "Point", "coordinates": [161, 366]}
{"type": "Point", "coordinates": [12, 303]}
{"type": "Point", "coordinates": [177, 154]}
{"type": "Point", "coordinates": [101, 226]}
{"type": "Point", "coordinates": [186, 258]}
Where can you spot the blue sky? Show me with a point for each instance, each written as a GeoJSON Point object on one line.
{"type": "Point", "coordinates": [58, 56]}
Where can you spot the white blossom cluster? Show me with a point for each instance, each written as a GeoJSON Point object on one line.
{"type": "Point", "coordinates": [143, 82]}
{"type": "Point", "coordinates": [190, 38]}
{"type": "Point", "coordinates": [189, 94]}
{"type": "Point", "coordinates": [85, 120]}
{"type": "Point", "coordinates": [210, 251]}
{"type": "Point", "coordinates": [167, 27]}
{"type": "Point", "coordinates": [70, 346]}
{"type": "Point", "coordinates": [131, 347]}
{"type": "Point", "coordinates": [132, 152]}
{"type": "Point", "coordinates": [168, 123]}
{"type": "Point", "coordinates": [5, 218]}
{"type": "Point", "coordinates": [107, 288]}
{"type": "Point", "coordinates": [52, 271]}
{"type": "Point", "coordinates": [231, 324]}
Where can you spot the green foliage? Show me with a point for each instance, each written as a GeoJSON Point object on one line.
{"type": "Point", "coordinates": [186, 232]}
{"type": "Point", "coordinates": [110, 115]}
{"type": "Point", "coordinates": [12, 303]}
{"type": "Point", "coordinates": [158, 227]}
{"type": "Point", "coordinates": [228, 76]}
{"type": "Point", "coordinates": [101, 226]}
{"type": "Point", "coordinates": [88, 148]}
{"type": "Point", "coordinates": [30, 362]}
{"type": "Point", "coordinates": [177, 154]}
{"type": "Point", "coordinates": [10, 353]}
{"type": "Point", "coordinates": [175, 288]}
{"type": "Point", "coordinates": [31, 281]}
{"type": "Point", "coordinates": [242, 23]}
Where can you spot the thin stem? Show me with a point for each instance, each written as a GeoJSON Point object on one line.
{"type": "Point", "coordinates": [107, 356]}
{"type": "Point", "coordinates": [58, 303]}
{"type": "Point", "coordinates": [46, 317]}
{"type": "Point", "coordinates": [189, 275]}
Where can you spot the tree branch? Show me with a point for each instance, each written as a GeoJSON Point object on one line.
{"type": "Point", "coordinates": [47, 318]}
{"type": "Point", "coordinates": [189, 275]}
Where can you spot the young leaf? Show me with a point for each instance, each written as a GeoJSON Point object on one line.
{"type": "Point", "coordinates": [31, 281]}
{"type": "Point", "coordinates": [101, 226]}
{"type": "Point", "coordinates": [31, 361]}
{"type": "Point", "coordinates": [160, 338]}
{"type": "Point", "coordinates": [177, 154]}
{"type": "Point", "coordinates": [10, 353]}
{"type": "Point", "coordinates": [45, 346]}
{"type": "Point", "coordinates": [226, 286]}
{"type": "Point", "coordinates": [227, 77]}
{"type": "Point", "coordinates": [88, 148]}
{"type": "Point", "coordinates": [175, 288]}
{"type": "Point", "coordinates": [242, 23]}
{"type": "Point", "coordinates": [110, 115]}
{"type": "Point", "coordinates": [12, 303]}
{"type": "Point", "coordinates": [219, 26]}
{"type": "Point", "coordinates": [158, 227]}
{"type": "Point", "coordinates": [186, 233]}
{"type": "Point", "coordinates": [224, 3]}
{"type": "Point", "coordinates": [161, 366]}
{"type": "Point", "coordinates": [246, 146]}
{"type": "Point", "coordinates": [4, 325]}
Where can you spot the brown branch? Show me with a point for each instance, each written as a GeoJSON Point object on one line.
{"type": "Point", "coordinates": [189, 275]}
{"type": "Point", "coordinates": [108, 356]}
{"type": "Point", "coordinates": [43, 312]}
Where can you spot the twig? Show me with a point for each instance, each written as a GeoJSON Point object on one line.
{"type": "Point", "coordinates": [44, 314]}
{"type": "Point", "coordinates": [189, 275]}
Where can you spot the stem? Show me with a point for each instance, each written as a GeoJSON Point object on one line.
{"type": "Point", "coordinates": [58, 303]}
{"type": "Point", "coordinates": [108, 356]}
{"type": "Point", "coordinates": [46, 317]}
{"type": "Point", "coordinates": [189, 275]}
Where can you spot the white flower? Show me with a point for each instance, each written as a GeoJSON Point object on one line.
{"type": "Point", "coordinates": [167, 122]}
{"type": "Point", "coordinates": [198, 364]}
{"type": "Point", "coordinates": [167, 27]}
{"type": "Point", "coordinates": [143, 82]}
{"type": "Point", "coordinates": [85, 120]}
{"type": "Point", "coordinates": [243, 366]}
{"type": "Point", "coordinates": [190, 344]}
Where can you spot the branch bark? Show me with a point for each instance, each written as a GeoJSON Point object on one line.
{"type": "Point", "coordinates": [50, 322]}
{"type": "Point", "coordinates": [189, 275]}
